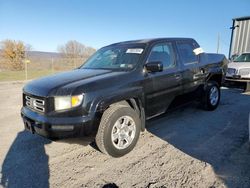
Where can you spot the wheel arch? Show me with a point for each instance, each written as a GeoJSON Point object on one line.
{"type": "Point", "coordinates": [216, 77]}
{"type": "Point", "coordinates": [134, 102]}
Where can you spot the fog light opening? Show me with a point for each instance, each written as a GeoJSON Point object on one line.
{"type": "Point", "coordinates": [62, 127]}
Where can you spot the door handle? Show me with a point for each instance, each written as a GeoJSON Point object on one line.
{"type": "Point", "coordinates": [177, 76]}
{"type": "Point", "coordinates": [202, 71]}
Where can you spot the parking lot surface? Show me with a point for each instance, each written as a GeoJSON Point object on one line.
{"type": "Point", "coordinates": [188, 147]}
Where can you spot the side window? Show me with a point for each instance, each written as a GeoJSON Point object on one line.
{"type": "Point", "coordinates": [186, 53]}
{"type": "Point", "coordinates": [164, 53]}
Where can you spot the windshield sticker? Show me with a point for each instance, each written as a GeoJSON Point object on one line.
{"type": "Point", "coordinates": [198, 51]}
{"type": "Point", "coordinates": [134, 50]}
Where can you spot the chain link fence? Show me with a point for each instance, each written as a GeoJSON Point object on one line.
{"type": "Point", "coordinates": [37, 67]}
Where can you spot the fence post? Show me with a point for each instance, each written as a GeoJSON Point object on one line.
{"type": "Point", "coordinates": [74, 59]}
{"type": "Point", "coordinates": [26, 71]}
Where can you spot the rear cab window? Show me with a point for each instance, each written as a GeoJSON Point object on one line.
{"type": "Point", "coordinates": [186, 53]}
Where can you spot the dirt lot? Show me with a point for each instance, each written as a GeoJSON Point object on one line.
{"type": "Point", "coordinates": [185, 148]}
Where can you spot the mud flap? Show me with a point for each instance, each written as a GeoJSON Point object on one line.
{"type": "Point", "coordinates": [247, 89]}
{"type": "Point", "coordinates": [249, 131]}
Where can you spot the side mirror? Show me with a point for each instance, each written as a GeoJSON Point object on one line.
{"type": "Point", "coordinates": [154, 66]}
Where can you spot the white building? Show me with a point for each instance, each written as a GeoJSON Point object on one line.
{"type": "Point", "coordinates": [240, 37]}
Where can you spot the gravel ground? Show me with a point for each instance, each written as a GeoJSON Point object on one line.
{"type": "Point", "coordinates": [188, 147]}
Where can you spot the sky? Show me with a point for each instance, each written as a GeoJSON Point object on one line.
{"type": "Point", "coordinates": [46, 24]}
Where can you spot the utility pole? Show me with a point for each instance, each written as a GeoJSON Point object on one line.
{"type": "Point", "coordinates": [52, 65]}
{"type": "Point", "coordinates": [218, 43]}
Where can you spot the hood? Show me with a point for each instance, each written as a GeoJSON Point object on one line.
{"type": "Point", "coordinates": [45, 85]}
{"type": "Point", "coordinates": [239, 65]}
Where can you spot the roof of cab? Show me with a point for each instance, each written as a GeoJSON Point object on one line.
{"type": "Point", "coordinates": [147, 41]}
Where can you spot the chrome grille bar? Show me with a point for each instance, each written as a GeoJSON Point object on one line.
{"type": "Point", "coordinates": [244, 71]}
{"type": "Point", "coordinates": [35, 104]}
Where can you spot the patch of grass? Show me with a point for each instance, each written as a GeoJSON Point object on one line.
{"type": "Point", "coordinates": [20, 75]}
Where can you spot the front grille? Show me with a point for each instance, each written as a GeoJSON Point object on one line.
{"type": "Point", "coordinates": [231, 71]}
{"type": "Point", "coordinates": [244, 72]}
{"type": "Point", "coordinates": [35, 103]}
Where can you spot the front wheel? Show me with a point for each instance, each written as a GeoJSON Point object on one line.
{"type": "Point", "coordinates": [211, 96]}
{"type": "Point", "coordinates": [118, 131]}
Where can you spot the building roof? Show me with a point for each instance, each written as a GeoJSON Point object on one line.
{"type": "Point", "coordinates": [242, 18]}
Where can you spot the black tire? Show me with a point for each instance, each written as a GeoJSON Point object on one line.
{"type": "Point", "coordinates": [206, 98]}
{"type": "Point", "coordinates": [110, 117]}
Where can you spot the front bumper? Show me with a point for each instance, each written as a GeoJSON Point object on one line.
{"type": "Point", "coordinates": [237, 82]}
{"type": "Point", "coordinates": [237, 78]}
{"type": "Point", "coordinates": [56, 127]}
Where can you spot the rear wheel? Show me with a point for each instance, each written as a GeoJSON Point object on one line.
{"type": "Point", "coordinates": [211, 96]}
{"type": "Point", "coordinates": [118, 131]}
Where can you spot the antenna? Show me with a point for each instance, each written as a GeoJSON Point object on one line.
{"type": "Point", "coordinates": [218, 43]}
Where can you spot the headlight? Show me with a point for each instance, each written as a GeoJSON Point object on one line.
{"type": "Point", "coordinates": [67, 102]}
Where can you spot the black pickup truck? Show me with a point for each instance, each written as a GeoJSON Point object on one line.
{"type": "Point", "coordinates": [117, 89]}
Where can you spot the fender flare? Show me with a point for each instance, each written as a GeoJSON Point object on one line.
{"type": "Point", "coordinates": [133, 96]}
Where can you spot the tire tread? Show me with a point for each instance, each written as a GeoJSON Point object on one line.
{"type": "Point", "coordinates": [104, 120]}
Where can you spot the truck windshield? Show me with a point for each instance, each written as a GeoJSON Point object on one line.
{"type": "Point", "coordinates": [115, 58]}
{"type": "Point", "coordinates": [243, 58]}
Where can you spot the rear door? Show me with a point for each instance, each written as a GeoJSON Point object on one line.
{"type": "Point", "coordinates": [162, 87]}
{"type": "Point", "coordinates": [193, 73]}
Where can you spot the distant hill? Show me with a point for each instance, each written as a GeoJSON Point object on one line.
{"type": "Point", "coordinates": [43, 61]}
{"type": "Point", "coordinates": [42, 55]}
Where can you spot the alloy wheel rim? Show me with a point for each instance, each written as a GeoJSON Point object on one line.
{"type": "Point", "coordinates": [123, 132]}
{"type": "Point", "coordinates": [214, 95]}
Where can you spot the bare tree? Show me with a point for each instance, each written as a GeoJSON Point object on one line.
{"type": "Point", "coordinates": [14, 52]}
{"type": "Point", "coordinates": [72, 49]}
{"type": "Point", "coordinates": [76, 52]}
{"type": "Point", "coordinates": [89, 51]}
